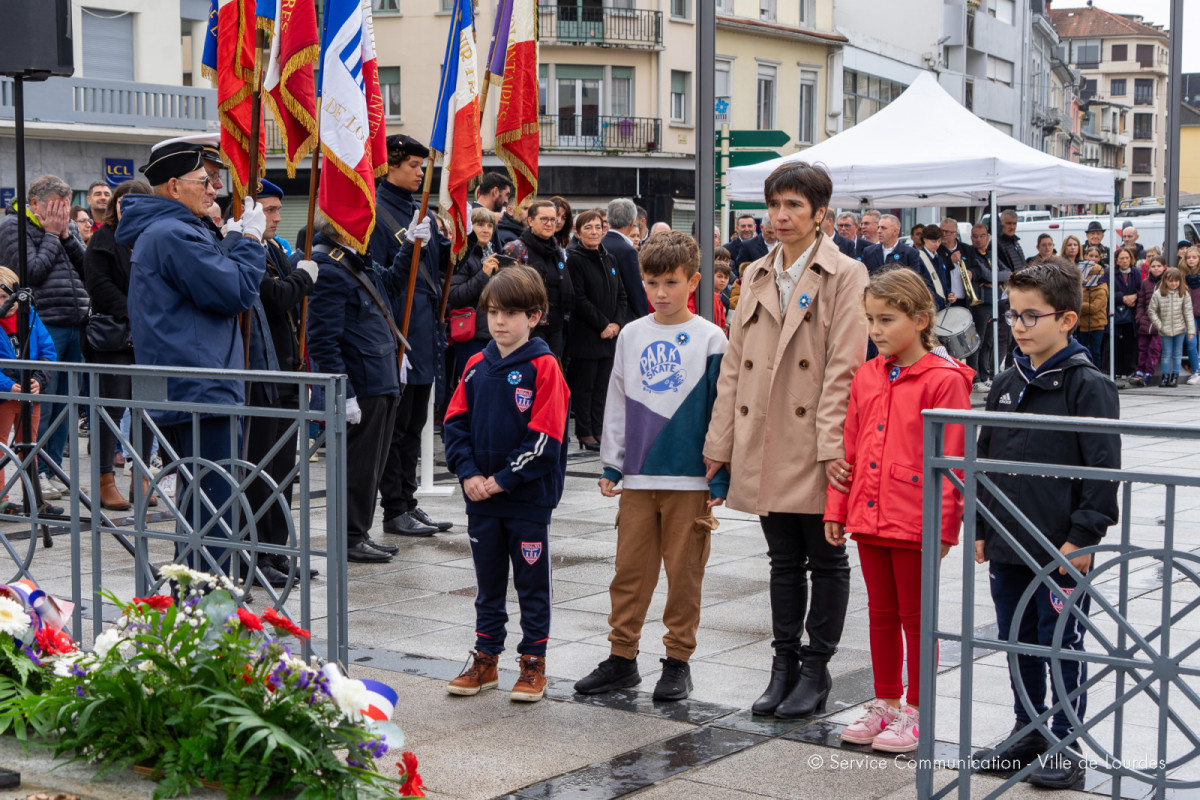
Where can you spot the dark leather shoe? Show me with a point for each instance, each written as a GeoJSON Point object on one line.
{"type": "Point", "coordinates": [363, 553]}
{"type": "Point", "coordinates": [407, 525]}
{"type": "Point", "coordinates": [390, 549]}
{"type": "Point", "coordinates": [1063, 770]}
{"type": "Point", "coordinates": [272, 576]}
{"type": "Point", "coordinates": [785, 671]}
{"type": "Point", "coordinates": [282, 564]}
{"type": "Point", "coordinates": [420, 516]}
{"type": "Point", "coordinates": [810, 694]}
{"type": "Point", "coordinates": [1014, 757]}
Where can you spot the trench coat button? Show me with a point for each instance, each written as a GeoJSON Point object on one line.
{"type": "Point", "coordinates": [870, 504]}
{"type": "Point", "coordinates": [744, 411]}
{"type": "Point", "coordinates": [916, 478]}
{"type": "Point", "coordinates": [749, 364]}
{"type": "Point", "coordinates": [754, 317]}
{"type": "Point", "coordinates": [872, 465]}
{"type": "Point", "coordinates": [800, 412]}
{"type": "Point", "coordinates": [804, 363]}
{"type": "Point", "coordinates": [880, 427]}
{"type": "Point", "coordinates": [807, 316]}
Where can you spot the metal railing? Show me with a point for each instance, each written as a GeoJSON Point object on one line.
{"type": "Point", "coordinates": [1136, 656]}
{"type": "Point", "coordinates": [125, 104]}
{"type": "Point", "coordinates": [602, 27]}
{"type": "Point", "coordinates": [206, 520]}
{"type": "Point", "coordinates": [601, 134]}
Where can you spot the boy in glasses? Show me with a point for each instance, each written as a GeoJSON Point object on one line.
{"type": "Point", "coordinates": [1051, 374]}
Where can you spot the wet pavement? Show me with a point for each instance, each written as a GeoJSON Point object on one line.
{"type": "Point", "coordinates": [411, 625]}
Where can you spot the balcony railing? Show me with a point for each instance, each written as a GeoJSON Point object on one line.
{"type": "Point", "coordinates": [601, 134]}
{"type": "Point", "coordinates": [603, 27]}
{"type": "Point", "coordinates": [118, 103]}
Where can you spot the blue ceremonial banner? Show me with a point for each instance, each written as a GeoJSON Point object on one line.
{"type": "Point", "coordinates": [208, 59]}
{"type": "Point", "coordinates": [118, 170]}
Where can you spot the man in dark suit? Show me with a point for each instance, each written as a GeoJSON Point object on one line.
{"type": "Point", "coordinates": [846, 237]}
{"type": "Point", "coordinates": [622, 227]}
{"type": "Point", "coordinates": [745, 229]}
{"type": "Point", "coordinates": [890, 251]}
{"type": "Point", "coordinates": [868, 231]}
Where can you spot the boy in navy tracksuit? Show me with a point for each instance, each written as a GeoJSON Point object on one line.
{"type": "Point", "coordinates": [505, 432]}
{"type": "Point", "coordinates": [1051, 374]}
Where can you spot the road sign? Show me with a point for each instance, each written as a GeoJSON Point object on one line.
{"type": "Point", "coordinates": [758, 138]}
{"type": "Point", "coordinates": [742, 158]}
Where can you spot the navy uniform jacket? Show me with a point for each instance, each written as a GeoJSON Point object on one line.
{"type": "Point", "coordinates": [860, 247]}
{"type": "Point", "coordinates": [902, 255]}
{"type": "Point", "coordinates": [750, 250]}
{"type": "Point", "coordinates": [185, 293]}
{"type": "Point", "coordinates": [347, 333]}
{"type": "Point", "coordinates": [847, 246]}
{"type": "Point", "coordinates": [393, 254]}
{"type": "Point", "coordinates": [630, 270]}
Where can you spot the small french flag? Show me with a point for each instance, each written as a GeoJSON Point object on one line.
{"type": "Point", "coordinates": [383, 700]}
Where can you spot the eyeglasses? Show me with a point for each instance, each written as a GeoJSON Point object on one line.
{"type": "Point", "coordinates": [207, 181]}
{"type": "Point", "coordinates": [1028, 318]}
{"type": "Point", "coordinates": [546, 220]}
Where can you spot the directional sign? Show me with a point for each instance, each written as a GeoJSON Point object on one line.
{"type": "Point", "coordinates": [758, 138]}
{"type": "Point", "coordinates": [743, 158]}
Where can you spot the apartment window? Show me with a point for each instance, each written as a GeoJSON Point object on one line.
{"type": "Point", "coordinates": [765, 110]}
{"type": "Point", "coordinates": [543, 89]}
{"type": "Point", "coordinates": [679, 8]}
{"type": "Point", "coordinates": [724, 6]}
{"type": "Point", "coordinates": [1116, 87]}
{"type": "Point", "coordinates": [1143, 159]}
{"type": "Point", "coordinates": [1120, 52]}
{"type": "Point", "coordinates": [681, 83]}
{"type": "Point", "coordinates": [107, 38]}
{"type": "Point", "coordinates": [621, 92]}
{"type": "Point", "coordinates": [1003, 10]}
{"type": "Point", "coordinates": [808, 106]}
{"type": "Point", "coordinates": [969, 95]}
{"type": "Point", "coordinates": [1085, 53]}
{"type": "Point", "coordinates": [723, 86]}
{"type": "Point", "coordinates": [1145, 55]}
{"type": "Point", "coordinates": [389, 87]}
{"type": "Point", "coordinates": [385, 6]}
{"type": "Point", "coordinates": [808, 12]}
{"type": "Point", "coordinates": [1141, 188]}
{"type": "Point", "coordinates": [766, 10]}
{"type": "Point", "coordinates": [445, 5]}
{"type": "Point", "coordinates": [1143, 126]}
{"type": "Point", "coordinates": [1143, 91]}
{"type": "Point", "coordinates": [1089, 89]}
{"type": "Point", "coordinates": [1001, 71]}
{"type": "Point", "coordinates": [863, 95]}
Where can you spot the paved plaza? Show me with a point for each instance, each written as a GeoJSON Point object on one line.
{"type": "Point", "coordinates": [411, 625]}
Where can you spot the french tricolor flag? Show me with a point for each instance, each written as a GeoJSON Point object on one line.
{"type": "Point", "coordinates": [383, 700]}
{"type": "Point", "coordinates": [456, 125]}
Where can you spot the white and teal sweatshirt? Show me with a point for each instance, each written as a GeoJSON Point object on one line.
{"type": "Point", "coordinates": [660, 400]}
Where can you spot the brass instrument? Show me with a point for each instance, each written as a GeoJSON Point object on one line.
{"type": "Point", "coordinates": [966, 279]}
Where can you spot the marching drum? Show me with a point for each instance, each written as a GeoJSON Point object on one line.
{"type": "Point", "coordinates": [955, 329]}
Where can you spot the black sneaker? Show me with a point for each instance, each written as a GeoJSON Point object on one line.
{"type": "Point", "coordinates": [675, 683]}
{"type": "Point", "coordinates": [420, 516]}
{"type": "Point", "coordinates": [1014, 757]}
{"type": "Point", "coordinates": [1063, 770]}
{"type": "Point", "coordinates": [613, 672]}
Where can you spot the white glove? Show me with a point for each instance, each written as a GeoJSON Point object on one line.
{"type": "Point", "coordinates": [353, 412]}
{"type": "Point", "coordinates": [310, 267]}
{"type": "Point", "coordinates": [418, 230]}
{"type": "Point", "coordinates": [405, 366]}
{"type": "Point", "coordinates": [254, 219]}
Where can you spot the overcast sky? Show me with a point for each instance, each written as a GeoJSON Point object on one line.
{"type": "Point", "coordinates": [1158, 12]}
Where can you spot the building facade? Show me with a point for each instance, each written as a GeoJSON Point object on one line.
{"type": "Point", "coordinates": [1123, 61]}
{"type": "Point", "coordinates": [1053, 108]}
{"type": "Point", "coordinates": [1189, 150]}
{"type": "Point", "coordinates": [127, 93]}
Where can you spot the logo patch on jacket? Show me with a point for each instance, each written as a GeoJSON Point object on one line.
{"type": "Point", "coordinates": [1056, 601]}
{"type": "Point", "coordinates": [1006, 399]}
{"type": "Point", "coordinates": [524, 398]}
{"type": "Point", "coordinates": [531, 552]}
{"type": "Point", "coordinates": [514, 377]}
{"type": "Point", "coordinates": [662, 368]}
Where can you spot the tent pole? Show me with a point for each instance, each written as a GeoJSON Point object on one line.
{"type": "Point", "coordinates": [995, 288]}
{"type": "Point", "coordinates": [1112, 299]}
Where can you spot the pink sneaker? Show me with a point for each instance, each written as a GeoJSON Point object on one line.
{"type": "Point", "coordinates": [901, 735]}
{"type": "Point", "coordinates": [872, 723]}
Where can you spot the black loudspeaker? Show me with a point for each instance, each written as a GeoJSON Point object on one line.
{"type": "Point", "coordinates": [35, 39]}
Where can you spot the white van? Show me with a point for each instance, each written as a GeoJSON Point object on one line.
{"type": "Point", "coordinates": [1149, 227]}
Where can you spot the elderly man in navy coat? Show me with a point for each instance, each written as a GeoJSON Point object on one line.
{"type": "Point", "coordinates": [622, 223]}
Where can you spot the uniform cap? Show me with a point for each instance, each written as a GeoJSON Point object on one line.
{"type": "Point", "coordinates": [405, 146]}
{"type": "Point", "coordinates": [172, 161]}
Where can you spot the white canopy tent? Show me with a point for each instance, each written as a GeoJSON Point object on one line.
{"type": "Point", "coordinates": [924, 149]}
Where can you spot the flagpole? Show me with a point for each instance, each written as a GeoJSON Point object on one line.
{"type": "Point", "coordinates": [453, 265]}
{"type": "Point", "coordinates": [308, 236]}
{"type": "Point", "coordinates": [487, 72]}
{"type": "Point", "coordinates": [416, 256]}
{"type": "Point", "coordinates": [252, 172]}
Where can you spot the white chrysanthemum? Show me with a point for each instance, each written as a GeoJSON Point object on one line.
{"type": "Point", "coordinates": [63, 664]}
{"type": "Point", "coordinates": [350, 695]}
{"type": "Point", "coordinates": [175, 572]}
{"type": "Point", "coordinates": [106, 641]}
{"type": "Point", "coordinates": [14, 619]}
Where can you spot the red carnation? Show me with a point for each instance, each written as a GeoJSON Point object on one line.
{"type": "Point", "coordinates": [282, 623]}
{"type": "Point", "coordinates": [248, 620]}
{"type": "Point", "coordinates": [54, 643]}
{"type": "Point", "coordinates": [246, 676]}
{"type": "Point", "coordinates": [159, 602]}
{"type": "Point", "coordinates": [413, 786]}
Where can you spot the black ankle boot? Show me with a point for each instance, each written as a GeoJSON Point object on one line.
{"type": "Point", "coordinates": [810, 694]}
{"type": "Point", "coordinates": [785, 671]}
{"type": "Point", "coordinates": [1165, 383]}
{"type": "Point", "coordinates": [1174, 380]}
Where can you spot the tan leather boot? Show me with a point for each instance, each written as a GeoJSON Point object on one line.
{"type": "Point", "coordinates": [110, 496]}
{"type": "Point", "coordinates": [531, 685]}
{"type": "Point", "coordinates": [153, 501]}
{"type": "Point", "coordinates": [480, 675]}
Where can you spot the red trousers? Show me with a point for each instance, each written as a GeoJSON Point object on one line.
{"type": "Point", "coordinates": [10, 423]}
{"type": "Point", "coordinates": [893, 577]}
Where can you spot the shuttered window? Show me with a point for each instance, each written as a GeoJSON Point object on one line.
{"type": "Point", "coordinates": [107, 44]}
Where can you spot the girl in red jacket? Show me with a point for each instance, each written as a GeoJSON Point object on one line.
{"type": "Point", "coordinates": [882, 512]}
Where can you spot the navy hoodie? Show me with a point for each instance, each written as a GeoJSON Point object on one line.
{"type": "Point", "coordinates": [508, 420]}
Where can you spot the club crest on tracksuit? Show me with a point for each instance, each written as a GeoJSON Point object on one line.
{"type": "Point", "coordinates": [661, 368]}
{"type": "Point", "coordinates": [531, 552]}
{"type": "Point", "coordinates": [1058, 601]}
{"type": "Point", "coordinates": [524, 398]}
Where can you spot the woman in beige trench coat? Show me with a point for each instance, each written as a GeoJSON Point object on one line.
{"type": "Point", "coordinates": [795, 341]}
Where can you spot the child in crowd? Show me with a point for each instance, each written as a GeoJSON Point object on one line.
{"type": "Point", "coordinates": [1093, 320]}
{"type": "Point", "coordinates": [41, 348]}
{"type": "Point", "coordinates": [506, 434]}
{"type": "Point", "coordinates": [722, 273]}
{"type": "Point", "coordinates": [660, 399]}
{"type": "Point", "coordinates": [1189, 265]}
{"type": "Point", "coordinates": [1170, 312]}
{"type": "Point", "coordinates": [883, 514]}
{"type": "Point", "coordinates": [1052, 375]}
{"type": "Point", "coordinates": [1149, 344]}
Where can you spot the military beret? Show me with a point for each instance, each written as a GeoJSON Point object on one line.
{"type": "Point", "coordinates": [406, 146]}
{"type": "Point", "coordinates": [172, 161]}
{"type": "Point", "coordinates": [268, 189]}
